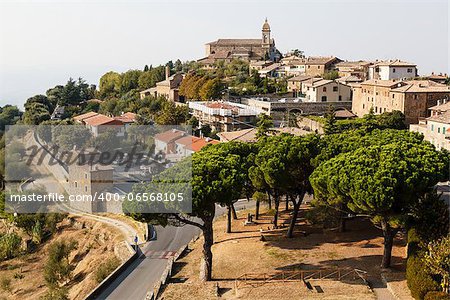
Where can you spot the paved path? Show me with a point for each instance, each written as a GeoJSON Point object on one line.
{"type": "Point", "coordinates": [142, 275]}
{"type": "Point", "coordinates": [380, 289]}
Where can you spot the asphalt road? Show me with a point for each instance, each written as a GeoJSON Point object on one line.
{"type": "Point", "coordinates": [142, 275]}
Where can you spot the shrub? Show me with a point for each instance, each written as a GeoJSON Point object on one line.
{"type": "Point", "coordinates": [437, 296]}
{"type": "Point", "coordinates": [105, 269]}
{"type": "Point", "coordinates": [5, 284]}
{"type": "Point", "coordinates": [10, 245]}
{"type": "Point", "coordinates": [419, 281]}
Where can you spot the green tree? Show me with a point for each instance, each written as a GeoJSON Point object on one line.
{"type": "Point", "coordinates": [210, 89]}
{"type": "Point", "coordinates": [58, 268]}
{"type": "Point", "coordinates": [264, 125]}
{"type": "Point", "coordinates": [331, 75]}
{"type": "Point", "coordinates": [383, 182]}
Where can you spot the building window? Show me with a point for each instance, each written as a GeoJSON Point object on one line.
{"type": "Point", "coordinates": [335, 88]}
{"type": "Point", "coordinates": [393, 96]}
{"type": "Point", "coordinates": [85, 188]}
{"type": "Point", "coordinates": [376, 109]}
{"type": "Point", "coordinates": [324, 88]}
{"type": "Point", "coordinates": [364, 106]}
{"type": "Point", "coordinates": [415, 97]}
{"type": "Point", "coordinates": [85, 175]}
{"type": "Point", "coordinates": [443, 130]}
{"type": "Point", "coordinates": [432, 127]}
{"type": "Point", "coordinates": [409, 71]}
{"type": "Point", "coordinates": [439, 130]}
{"type": "Point", "coordinates": [340, 98]}
{"type": "Point", "coordinates": [318, 67]}
{"type": "Point", "coordinates": [393, 70]}
{"type": "Point", "coordinates": [76, 184]}
{"type": "Point", "coordinates": [324, 98]}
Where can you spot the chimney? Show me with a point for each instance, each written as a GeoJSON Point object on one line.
{"type": "Point", "coordinates": [167, 72]}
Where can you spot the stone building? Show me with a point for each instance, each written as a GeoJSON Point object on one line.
{"type": "Point", "coordinates": [90, 180]}
{"type": "Point", "coordinates": [246, 49]}
{"type": "Point", "coordinates": [413, 98]}
{"type": "Point", "coordinates": [168, 88]}
{"type": "Point", "coordinates": [436, 128]}
{"type": "Point", "coordinates": [317, 66]}
{"type": "Point", "coordinates": [359, 69]}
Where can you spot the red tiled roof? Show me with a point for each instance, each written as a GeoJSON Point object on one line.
{"type": "Point", "coordinates": [187, 140]}
{"type": "Point", "coordinates": [85, 116]}
{"type": "Point", "coordinates": [170, 135]}
{"type": "Point", "coordinates": [198, 145]}
{"type": "Point", "coordinates": [100, 119]}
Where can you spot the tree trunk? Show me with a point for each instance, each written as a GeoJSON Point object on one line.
{"type": "Point", "coordinates": [275, 217]}
{"type": "Point", "coordinates": [234, 212]}
{"type": "Point", "coordinates": [297, 203]}
{"type": "Point", "coordinates": [270, 200]}
{"type": "Point", "coordinates": [257, 210]}
{"type": "Point", "coordinates": [287, 202]}
{"type": "Point", "coordinates": [389, 234]}
{"type": "Point", "coordinates": [229, 209]}
{"type": "Point", "coordinates": [342, 222]}
{"type": "Point", "coordinates": [206, 265]}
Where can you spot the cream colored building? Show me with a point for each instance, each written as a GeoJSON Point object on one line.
{"type": "Point", "coordinates": [392, 69]}
{"type": "Point", "coordinates": [436, 128]}
{"type": "Point", "coordinates": [294, 84]}
{"type": "Point", "coordinates": [413, 98]}
{"type": "Point", "coordinates": [359, 69]}
{"type": "Point", "coordinates": [322, 90]}
{"type": "Point", "coordinates": [167, 88]}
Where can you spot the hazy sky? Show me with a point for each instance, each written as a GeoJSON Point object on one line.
{"type": "Point", "coordinates": [43, 43]}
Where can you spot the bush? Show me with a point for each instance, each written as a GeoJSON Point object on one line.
{"type": "Point", "coordinates": [437, 296]}
{"type": "Point", "coordinates": [10, 245]}
{"type": "Point", "coordinates": [5, 284]}
{"type": "Point", "coordinates": [105, 269]}
{"type": "Point", "coordinates": [419, 281]}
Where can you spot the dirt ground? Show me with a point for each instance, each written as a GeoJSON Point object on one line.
{"type": "Point", "coordinates": [96, 244]}
{"type": "Point", "coordinates": [242, 251]}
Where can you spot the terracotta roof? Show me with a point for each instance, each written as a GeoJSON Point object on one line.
{"type": "Point", "coordinates": [199, 144]}
{"type": "Point", "coordinates": [320, 60]}
{"type": "Point", "coordinates": [384, 83]}
{"type": "Point", "coordinates": [237, 42]}
{"type": "Point", "coordinates": [187, 140]}
{"type": "Point", "coordinates": [220, 105]}
{"type": "Point", "coordinates": [344, 114]}
{"type": "Point", "coordinates": [395, 63]}
{"type": "Point", "coordinates": [441, 107]}
{"type": "Point", "coordinates": [245, 135]}
{"type": "Point", "coordinates": [127, 117]}
{"type": "Point", "coordinates": [352, 64]}
{"type": "Point", "coordinates": [443, 117]}
{"type": "Point", "coordinates": [270, 67]}
{"type": "Point", "coordinates": [350, 78]}
{"type": "Point", "coordinates": [316, 82]}
{"type": "Point", "coordinates": [170, 135]}
{"type": "Point", "coordinates": [100, 119]}
{"type": "Point", "coordinates": [300, 78]}
{"type": "Point", "coordinates": [85, 116]}
{"type": "Point", "coordinates": [422, 86]}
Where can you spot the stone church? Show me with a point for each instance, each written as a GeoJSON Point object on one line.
{"type": "Point", "coordinates": [247, 49]}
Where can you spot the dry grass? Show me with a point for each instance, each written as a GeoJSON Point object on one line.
{"type": "Point", "coordinates": [243, 252]}
{"type": "Point", "coordinates": [96, 243]}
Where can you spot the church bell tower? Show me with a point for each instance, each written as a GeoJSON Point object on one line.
{"type": "Point", "coordinates": [266, 35]}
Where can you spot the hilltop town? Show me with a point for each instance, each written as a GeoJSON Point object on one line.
{"type": "Point", "coordinates": [308, 177]}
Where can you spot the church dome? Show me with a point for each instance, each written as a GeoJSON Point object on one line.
{"type": "Point", "coordinates": [266, 25]}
